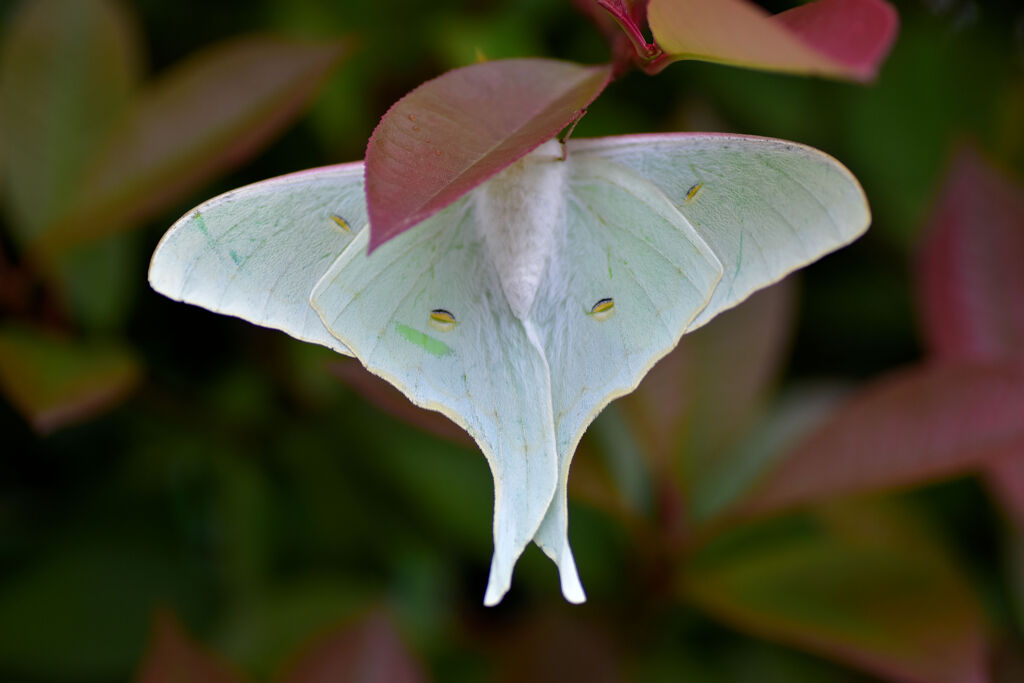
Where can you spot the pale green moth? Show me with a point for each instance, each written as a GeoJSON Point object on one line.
{"type": "Point", "coordinates": [526, 306]}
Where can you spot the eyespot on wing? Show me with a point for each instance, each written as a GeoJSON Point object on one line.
{"type": "Point", "coordinates": [603, 309]}
{"type": "Point", "coordinates": [442, 320]}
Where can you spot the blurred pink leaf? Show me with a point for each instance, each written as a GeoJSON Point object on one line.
{"type": "Point", "coordinates": [971, 283]}
{"type": "Point", "coordinates": [845, 39]}
{"type": "Point", "coordinates": [970, 268]}
{"type": "Point", "coordinates": [67, 71]}
{"type": "Point", "coordinates": [915, 425]}
{"type": "Point", "coordinates": [54, 382]}
{"type": "Point", "coordinates": [861, 584]}
{"type": "Point", "coordinates": [208, 114]}
{"type": "Point", "coordinates": [454, 132]}
{"type": "Point", "coordinates": [699, 399]}
{"type": "Point", "coordinates": [393, 402]}
{"type": "Point", "coordinates": [367, 651]}
{"type": "Point", "coordinates": [173, 657]}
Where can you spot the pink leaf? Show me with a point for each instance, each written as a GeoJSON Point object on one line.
{"type": "Point", "coordinates": [970, 269]}
{"type": "Point", "coordinates": [368, 651]}
{"type": "Point", "coordinates": [454, 132]}
{"type": "Point", "coordinates": [971, 284]}
{"type": "Point", "coordinates": [919, 424]}
{"type": "Point", "coordinates": [172, 657]}
{"type": "Point", "coordinates": [856, 33]}
{"type": "Point", "coordinates": [845, 39]}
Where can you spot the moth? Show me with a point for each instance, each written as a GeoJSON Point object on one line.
{"type": "Point", "coordinates": [524, 307]}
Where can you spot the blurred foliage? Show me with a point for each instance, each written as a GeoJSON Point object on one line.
{"type": "Point", "coordinates": [249, 488]}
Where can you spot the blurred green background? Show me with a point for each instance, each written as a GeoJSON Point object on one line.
{"type": "Point", "coordinates": [157, 456]}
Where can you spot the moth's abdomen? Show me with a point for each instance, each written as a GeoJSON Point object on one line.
{"type": "Point", "coordinates": [521, 213]}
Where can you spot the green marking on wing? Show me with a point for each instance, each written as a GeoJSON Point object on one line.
{"type": "Point", "coordinates": [201, 224]}
{"type": "Point", "coordinates": [609, 264]}
{"type": "Point", "coordinates": [424, 341]}
{"type": "Point", "coordinates": [236, 258]}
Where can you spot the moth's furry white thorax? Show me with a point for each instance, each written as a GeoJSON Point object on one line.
{"type": "Point", "coordinates": [520, 213]}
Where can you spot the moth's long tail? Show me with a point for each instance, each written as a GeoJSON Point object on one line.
{"type": "Point", "coordinates": [514, 498]}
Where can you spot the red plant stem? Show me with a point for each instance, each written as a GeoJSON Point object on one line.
{"type": "Point", "coordinates": [656, 64]}
{"type": "Point", "coordinates": [646, 52]}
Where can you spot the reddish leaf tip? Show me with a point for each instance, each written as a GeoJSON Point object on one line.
{"type": "Point", "coordinates": [845, 39]}
{"type": "Point", "coordinates": [858, 34]}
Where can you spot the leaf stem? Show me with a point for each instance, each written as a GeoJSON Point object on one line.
{"type": "Point", "coordinates": [563, 136]}
{"type": "Point", "coordinates": [647, 53]}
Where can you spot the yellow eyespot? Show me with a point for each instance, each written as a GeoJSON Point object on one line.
{"type": "Point", "coordinates": [340, 222]}
{"type": "Point", "coordinates": [691, 194]}
{"type": "Point", "coordinates": [442, 320]}
{"type": "Point", "coordinates": [603, 309]}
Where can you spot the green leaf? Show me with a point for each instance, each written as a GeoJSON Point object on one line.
{"type": "Point", "coordinates": [206, 115]}
{"type": "Point", "coordinates": [391, 401]}
{"type": "Point", "coordinates": [242, 517]}
{"type": "Point", "coordinates": [864, 585]}
{"type": "Point", "coordinates": [900, 133]}
{"type": "Point", "coordinates": [266, 631]}
{"type": "Point", "coordinates": [55, 381]}
{"type": "Point", "coordinates": [460, 38]}
{"type": "Point", "coordinates": [67, 71]}
{"type": "Point", "coordinates": [97, 283]}
{"type": "Point", "coordinates": [623, 467]}
{"type": "Point", "coordinates": [461, 520]}
{"type": "Point", "coordinates": [81, 614]}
